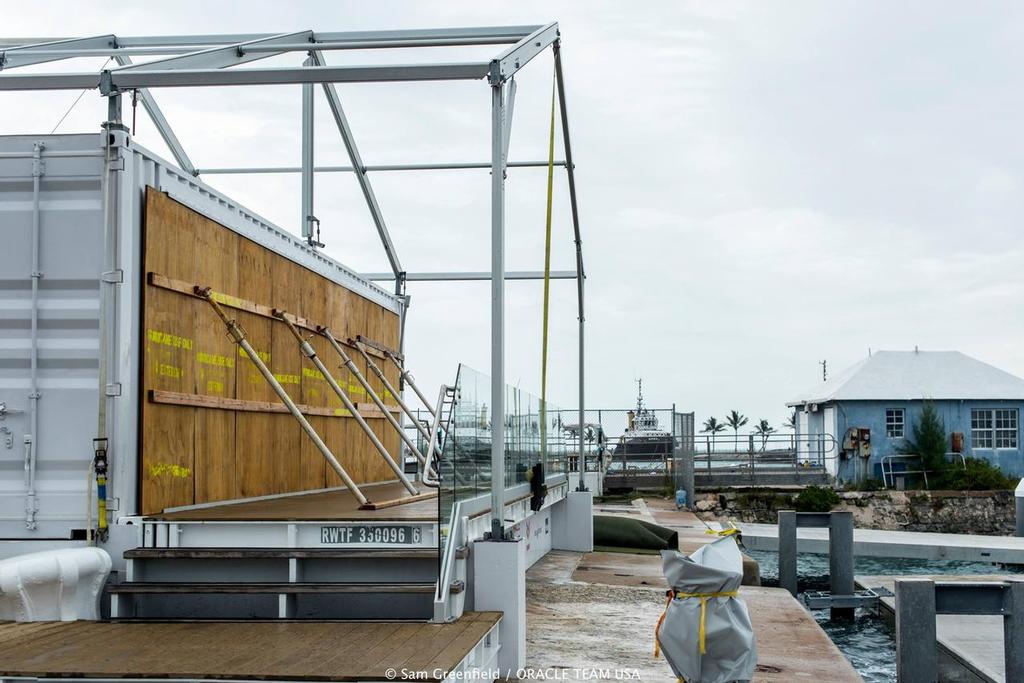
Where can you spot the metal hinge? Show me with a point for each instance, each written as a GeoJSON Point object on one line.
{"type": "Point", "coordinates": [113, 276]}
{"type": "Point", "coordinates": [38, 168]}
{"type": "Point", "coordinates": [116, 164]}
{"type": "Point", "coordinates": [113, 389]}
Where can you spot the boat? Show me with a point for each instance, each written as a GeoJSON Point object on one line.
{"type": "Point", "coordinates": [644, 440]}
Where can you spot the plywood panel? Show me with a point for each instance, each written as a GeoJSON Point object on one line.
{"type": "Point", "coordinates": [200, 453]}
{"type": "Point", "coordinates": [253, 459]}
{"type": "Point", "coordinates": [216, 254]}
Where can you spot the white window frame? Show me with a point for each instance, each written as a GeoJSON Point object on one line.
{"type": "Point", "coordinates": [995, 428]}
{"type": "Point", "coordinates": [890, 425]}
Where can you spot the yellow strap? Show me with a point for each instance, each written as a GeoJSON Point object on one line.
{"type": "Point", "coordinates": [731, 530]}
{"type": "Point", "coordinates": [703, 614]}
{"type": "Point", "coordinates": [547, 281]}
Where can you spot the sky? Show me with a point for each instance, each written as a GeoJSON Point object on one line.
{"type": "Point", "coordinates": [762, 185]}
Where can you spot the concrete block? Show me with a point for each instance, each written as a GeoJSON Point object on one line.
{"type": "Point", "coordinates": [499, 584]}
{"type": "Point", "coordinates": [572, 522]}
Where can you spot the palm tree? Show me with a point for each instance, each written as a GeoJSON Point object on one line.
{"type": "Point", "coordinates": [712, 426]}
{"type": "Point", "coordinates": [735, 420]}
{"type": "Point", "coordinates": [791, 421]}
{"type": "Point", "coordinates": [764, 430]}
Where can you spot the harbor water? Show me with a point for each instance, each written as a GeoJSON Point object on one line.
{"type": "Point", "coordinates": [868, 641]}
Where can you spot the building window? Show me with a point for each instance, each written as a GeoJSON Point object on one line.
{"type": "Point", "coordinates": [894, 423]}
{"type": "Point", "coordinates": [994, 428]}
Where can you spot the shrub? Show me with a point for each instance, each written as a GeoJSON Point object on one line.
{"type": "Point", "coordinates": [980, 475]}
{"type": "Point", "coordinates": [929, 440]}
{"type": "Point", "coordinates": [816, 499]}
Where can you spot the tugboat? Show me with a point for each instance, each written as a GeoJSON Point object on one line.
{"type": "Point", "coordinates": [644, 440]}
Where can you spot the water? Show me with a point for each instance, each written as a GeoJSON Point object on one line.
{"type": "Point", "coordinates": [868, 641]}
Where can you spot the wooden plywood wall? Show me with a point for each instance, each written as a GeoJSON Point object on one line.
{"type": "Point", "coordinates": [222, 436]}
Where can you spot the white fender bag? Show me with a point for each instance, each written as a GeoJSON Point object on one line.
{"type": "Point", "coordinates": [705, 632]}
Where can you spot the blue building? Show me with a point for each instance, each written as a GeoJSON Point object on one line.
{"type": "Point", "coordinates": [980, 406]}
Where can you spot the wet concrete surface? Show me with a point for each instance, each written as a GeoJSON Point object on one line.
{"type": "Point", "coordinates": [592, 616]}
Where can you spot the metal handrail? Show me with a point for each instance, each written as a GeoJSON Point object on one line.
{"type": "Point", "coordinates": [431, 473]}
{"type": "Point", "coordinates": [442, 594]}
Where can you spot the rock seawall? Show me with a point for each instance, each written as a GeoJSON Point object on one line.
{"type": "Point", "coordinates": [957, 512]}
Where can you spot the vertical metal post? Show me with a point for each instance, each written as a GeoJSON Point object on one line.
{"type": "Point", "coordinates": [916, 660]}
{"type": "Point", "coordinates": [840, 560]}
{"type": "Point", "coordinates": [1013, 631]}
{"type": "Point", "coordinates": [497, 311]}
{"type": "Point", "coordinates": [787, 550]}
{"type": "Point", "coordinates": [307, 161]}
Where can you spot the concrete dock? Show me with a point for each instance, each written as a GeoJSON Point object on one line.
{"type": "Point", "coordinates": [970, 647]}
{"type": "Point", "coordinates": [598, 611]}
{"type": "Point", "coordinates": [903, 544]}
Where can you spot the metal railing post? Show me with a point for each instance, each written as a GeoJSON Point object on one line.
{"type": "Point", "coordinates": [498, 312]}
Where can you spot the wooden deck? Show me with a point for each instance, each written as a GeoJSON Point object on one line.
{"type": "Point", "coordinates": [237, 650]}
{"type": "Point", "coordinates": [336, 505]}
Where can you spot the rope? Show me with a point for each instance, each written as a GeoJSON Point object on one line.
{"type": "Point", "coordinates": [703, 597]}
{"type": "Point", "coordinates": [547, 280]}
{"type": "Point", "coordinates": [77, 100]}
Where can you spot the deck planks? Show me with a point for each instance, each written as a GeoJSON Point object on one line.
{"type": "Point", "coordinates": [252, 650]}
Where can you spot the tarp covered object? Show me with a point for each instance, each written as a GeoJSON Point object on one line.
{"type": "Point", "coordinates": [705, 633]}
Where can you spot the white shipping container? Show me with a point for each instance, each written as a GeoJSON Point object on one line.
{"type": "Point", "coordinates": [70, 319]}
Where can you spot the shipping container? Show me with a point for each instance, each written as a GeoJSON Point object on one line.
{"type": "Point", "coordinates": [72, 311]}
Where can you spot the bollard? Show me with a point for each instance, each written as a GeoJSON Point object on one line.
{"type": "Point", "coordinates": [1019, 497]}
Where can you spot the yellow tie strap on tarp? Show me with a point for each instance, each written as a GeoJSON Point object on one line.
{"type": "Point", "coordinates": [704, 597]}
{"type": "Point", "coordinates": [731, 530]}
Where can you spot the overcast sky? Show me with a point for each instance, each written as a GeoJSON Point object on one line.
{"type": "Point", "coordinates": [762, 185]}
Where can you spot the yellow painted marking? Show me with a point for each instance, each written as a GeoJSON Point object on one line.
{"type": "Point", "coordinates": [264, 356]}
{"type": "Point", "coordinates": [342, 412]}
{"type": "Point", "coordinates": [167, 370]}
{"type": "Point", "coordinates": [166, 469]}
{"type": "Point", "coordinates": [226, 299]}
{"type": "Point", "coordinates": [214, 387]}
{"type": "Point", "coordinates": [285, 378]}
{"type": "Point", "coordinates": [356, 389]}
{"type": "Point", "coordinates": [215, 360]}
{"type": "Point", "coordinates": [168, 339]}
{"type": "Point", "coordinates": [313, 374]}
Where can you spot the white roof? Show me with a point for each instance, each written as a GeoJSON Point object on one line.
{"type": "Point", "coordinates": [916, 375]}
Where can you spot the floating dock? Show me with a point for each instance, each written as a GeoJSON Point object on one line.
{"type": "Point", "coordinates": [903, 544]}
{"type": "Point", "coordinates": [970, 646]}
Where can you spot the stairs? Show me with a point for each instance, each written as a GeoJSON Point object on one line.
{"type": "Point", "coordinates": [348, 584]}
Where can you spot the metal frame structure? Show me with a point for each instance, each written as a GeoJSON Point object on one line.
{"type": "Point", "coordinates": [224, 60]}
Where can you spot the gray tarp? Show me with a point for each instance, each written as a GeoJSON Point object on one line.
{"type": "Point", "coordinates": [730, 653]}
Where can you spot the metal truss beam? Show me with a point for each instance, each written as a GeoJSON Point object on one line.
{"type": "Point", "coordinates": [505, 65]}
{"type": "Point", "coordinates": [195, 78]}
{"type": "Point", "coordinates": [393, 38]}
{"type": "Point", "coordinates": [25, 55]}
{"type": "Point", "coordinates": [473, 275]}
{"type": "Point", "coordinates": [442, 166]}
{"type": "Point", "coordinates": [162, 126]}
{"type": "Point", "coordinates": [334, 101]}
{"type": "Point", "coordinates": [220, 57]}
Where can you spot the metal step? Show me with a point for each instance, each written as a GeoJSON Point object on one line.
{"type": "Point", "coordinates": [278, 553]}
{"type": "Point", "coordinates": [270, 588]}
